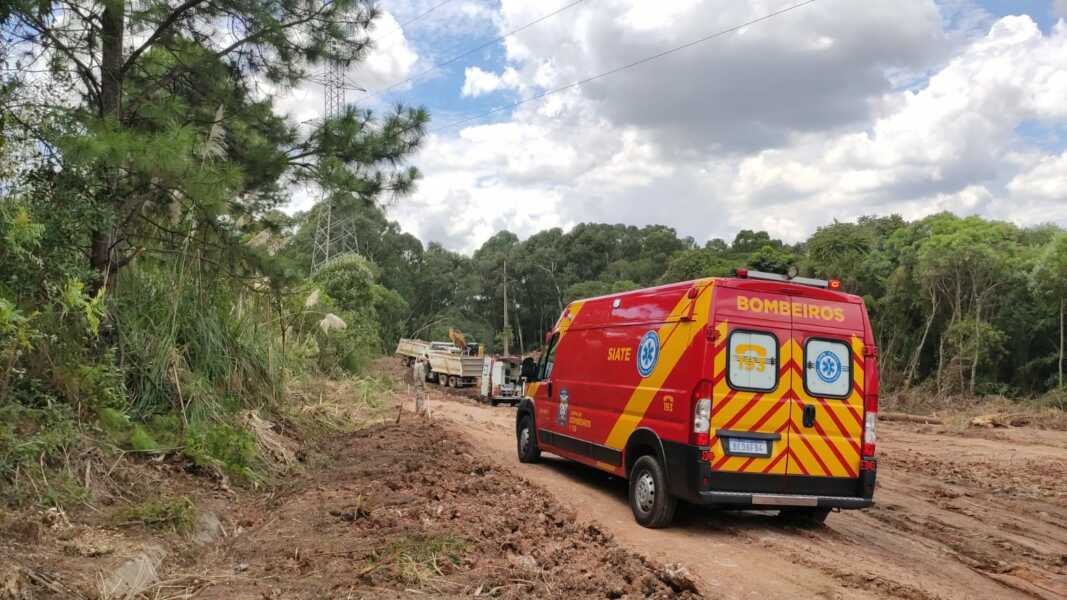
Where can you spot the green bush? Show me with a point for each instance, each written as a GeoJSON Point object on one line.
{"type": "Point", "coordinates": [225, 447]}
{"type": "Point", "coordinates": [166, 514]}
{"type": "Point", "coordinates": [32, 440]}
{"type": "Point", "coordinates": [197, 348]}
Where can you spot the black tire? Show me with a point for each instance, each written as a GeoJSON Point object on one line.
{"type": "Point", "coordinates": [493, 402]}
{"type": "Point", "coordinates": [526, 441]}
{"type": "Point", "coordinates": [804, 517]}
{"type": "Point", "coordinates": [442, 380]}
{"type": "Point", "coordinates": [651, 503]}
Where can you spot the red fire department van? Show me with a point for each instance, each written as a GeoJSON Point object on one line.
{"type": "Point", "coordinates": [758, 391]}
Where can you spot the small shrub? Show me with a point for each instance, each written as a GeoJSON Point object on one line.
{"type": "Point", "coordinates": [229, 448]}
{"type": "Point", "coordinates": [165, 514]}
{"type": "Point", "coordinates": [122, 432]}
{"type": "Point", "coordinates": [1056, 399]}
{"type": "Point", "coordinates": [142, 441]}
{"type": "Point", "coordinates": [416, 558]}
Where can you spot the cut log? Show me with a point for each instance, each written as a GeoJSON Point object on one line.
{"type": "Point", "coordinates": [906, 418]}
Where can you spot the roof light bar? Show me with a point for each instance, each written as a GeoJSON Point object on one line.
{"type": "Point", "coordinates": [809, 281]}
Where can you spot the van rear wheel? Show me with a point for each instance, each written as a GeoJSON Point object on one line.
{"type": "Point", "coordinates": [651, 503]}
{"type": "Point", "coordinates": [526, 439]}
{"type": "Point", "coordinates": [804, 517]}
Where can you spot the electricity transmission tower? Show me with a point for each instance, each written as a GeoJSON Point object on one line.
{"type": "Point", "coordinates": [335, 230]}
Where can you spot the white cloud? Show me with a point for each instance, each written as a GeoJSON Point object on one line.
{"type": "Point", "coordinates": [477, 82]}
{"type": "Point", "coordinates": [794, 122]}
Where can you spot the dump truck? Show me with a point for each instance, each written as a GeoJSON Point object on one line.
{"type": "Point", "coordinates": [412, 349]}
{"type": "Point", "coordinates": [455, 369]}
{"type": "Point", "coordinates": [449, 365]}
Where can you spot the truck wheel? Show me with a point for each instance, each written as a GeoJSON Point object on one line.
{"type": "Point", "coordinates": [453, 381]}
{"type": "Point", "coordinates": [493, 402]}
{"type": "Point", "coordinates": [442, 380]}
{"type": "Point", "coordinates": [651, 503]}
{"type": "Point", "coordinates": [527, 441]}
{"type": "Point", "coordinates": [804, 517]}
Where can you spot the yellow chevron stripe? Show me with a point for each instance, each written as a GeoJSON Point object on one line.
{"type": "Point", "coordinates": [822, 447]}
{"type": "Point", "coordinates": [804, 456]}
{"type": "Point", "coordinates": [677, 335]}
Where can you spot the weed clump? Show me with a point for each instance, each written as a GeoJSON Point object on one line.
{"type": "Point", "coordinates": [222, 446]}
{"type": "Point", "coordinates": [162, 514]}
{"type": "Point", "coordinates": [414, 559]}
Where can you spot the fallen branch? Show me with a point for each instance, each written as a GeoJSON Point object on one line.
{"type": "Point", "coordinates": [906, 418]}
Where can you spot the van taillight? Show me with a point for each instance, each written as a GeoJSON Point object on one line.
{"type": "Point", "coordinates": [870, 425]}
{"type": "Point", "coordinates": [701, 422]}
{"type": "Point", "coordinates": [869, 436]}
{"type": "Point", "coordinates": [701, 434]}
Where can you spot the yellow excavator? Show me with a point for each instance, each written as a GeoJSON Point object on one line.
{"type": "Point", "coordinates": [459, 339]}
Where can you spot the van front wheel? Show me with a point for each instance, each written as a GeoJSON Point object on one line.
{"type": "Point", "coordinates": [651, 503]}
{"type": "Point", "coordinates": [526, 439]}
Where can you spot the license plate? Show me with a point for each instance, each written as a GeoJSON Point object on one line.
{"type": "Point", "coordinates": [747, 447]}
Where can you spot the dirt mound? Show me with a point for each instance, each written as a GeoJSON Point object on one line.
{"type": "Point", "coordinates": [407, 509]}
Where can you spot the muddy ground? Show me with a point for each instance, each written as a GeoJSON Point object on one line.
{"type": "Point", "coordinates": [976, 515]}
{"type": "Point", "coordinates": [445, 510]}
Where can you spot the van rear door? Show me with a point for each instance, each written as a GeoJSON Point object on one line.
{"type": "Point", "coordinates": [751, 411]}
{"type": "Point", "coordinates": [827, 394]}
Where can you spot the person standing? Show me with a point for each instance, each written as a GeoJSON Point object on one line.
{"type": "Point", "coordinates": [422, 405]}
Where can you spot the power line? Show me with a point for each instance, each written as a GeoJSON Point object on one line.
{"type": "Point", "coordinates": [470, 51]}
{"type": "Point", "coordinates": [402, 26]}
{"type": "Point", "coordinates": [624, 67]}
{"type": "Point", "coordinates": [422, 15]}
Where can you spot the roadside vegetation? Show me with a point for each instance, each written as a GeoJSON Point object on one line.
{"type": "Point", "coordinates": [155, 300]}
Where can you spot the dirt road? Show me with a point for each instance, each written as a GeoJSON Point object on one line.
{"type": "Point", "coordinates": [956, 517]}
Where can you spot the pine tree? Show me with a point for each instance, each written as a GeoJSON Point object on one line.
{"type": "Point", "coordinates": [165, 132]}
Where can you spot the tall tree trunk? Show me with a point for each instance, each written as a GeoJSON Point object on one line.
{"type": "Point", "coordinates": [940, 363]}
{"type": "Point", "coordinates": [977, 345]}
{"type": "Point", "coordinates": [913, 365]}
{"type": "Point", "coordinates": [112, 26]}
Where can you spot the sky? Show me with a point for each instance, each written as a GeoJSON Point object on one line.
{"type": "Point", "coordinates": [829, 111]}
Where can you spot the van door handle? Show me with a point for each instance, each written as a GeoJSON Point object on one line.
{"type": "Point", "coordinates": [809, 415]}
{"type": "Point", "coordinates": [548, 390]}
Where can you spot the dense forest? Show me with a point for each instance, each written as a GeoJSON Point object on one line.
{"type": "Point", "coordinates": [965, 305]}
{"type": "Point", "coordinates": [151, 286]}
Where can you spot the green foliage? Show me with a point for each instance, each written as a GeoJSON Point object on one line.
{"type": "Point", "coordinates": [772, 259]}
{"type": "Point", "coordinates": [414, 559]}
{"type": "Point", "coordinates": [348, 281]}
{"type": "Point", "coordinates": [195, 348]}
{"type": "Point", "coordinates": [28, 433]}
{"type": "Point", "coordinates": [177, 515]}
{"type": "Point", "coordinates": [225, 447]}
{"type": "Point", "coordinates": [142, 441]}
{"type": "Point", "coordinates": [33, 441]}
{"type": "Point", "coordinates": [591, 289]}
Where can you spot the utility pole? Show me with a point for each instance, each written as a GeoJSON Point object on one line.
{"type": "Point", "coordinates": [507, 332]}
{"type": "Point", "coordinates": [335, 231]}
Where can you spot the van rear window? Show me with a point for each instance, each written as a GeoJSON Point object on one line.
{"type": "Point", "coordinates": [753, 362]}
{"type": "Point", "coordinates": [828, 368]}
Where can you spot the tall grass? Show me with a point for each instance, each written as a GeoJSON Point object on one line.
{"type": "Point", "coordinates": [200, 351]}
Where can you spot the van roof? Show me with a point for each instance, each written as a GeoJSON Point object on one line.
{"type": "Point", "coordinates": [754, 285]}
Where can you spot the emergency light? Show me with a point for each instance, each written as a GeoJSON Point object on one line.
{"type": "Point", "coordinates": [832, 284]}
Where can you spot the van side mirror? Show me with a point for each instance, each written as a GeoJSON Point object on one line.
{"type": "Point", "coordinates": [529, 369]}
